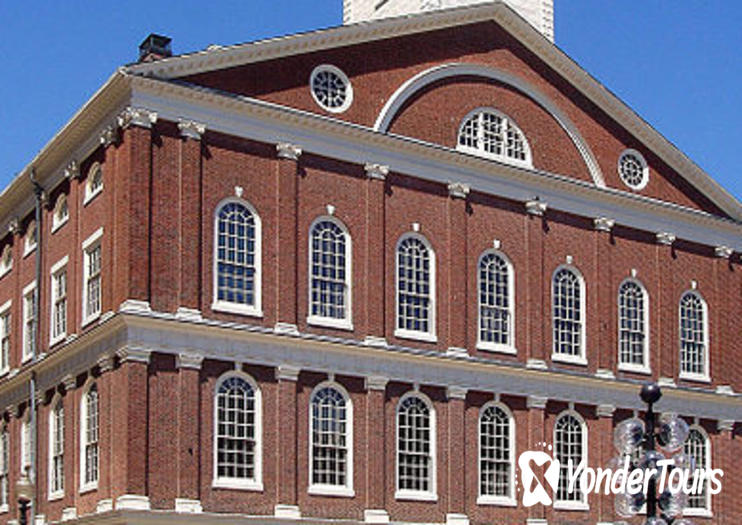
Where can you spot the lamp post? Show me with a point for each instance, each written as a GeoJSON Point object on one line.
{"type": "Point", "coordinates": [633, 436]}
{"type": "Point", "coordinates": [24, 491]}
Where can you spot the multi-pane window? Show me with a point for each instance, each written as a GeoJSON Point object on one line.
{"type": "Point", "coordinates": [92, 285]}
{"type": "Point", "coordinates": [331, 88]}
{"type": "Point", "coordinates": [237, 420]}
{"type": "Point", "coordinates": [693, 336]}
{"type": "Point", "coordinates": [490, 133]}
{"type": "Point", "coordinates": [329, 279]}
{"type": "Point", "coordinates": [237, 257]}
{"type": "Point", "coordinates": [495, 302]}
{"type": "Point", "coordinates": [59, 305]}
{"type": "Point", "coordinates": [56, 449]}
{"type": "Point", "coordinates": [331, 435]}
{"type": "Point", "coordinates": [633, 169]}
{"type": "Point", "coordinates": [90, 437]}
{"type": "Point", "coordinates": [415, 286]}
{"type": "Point", "coordinates": [61, 212]}
{"type": "Point", "coordinates": [415, 446]}
{"type": "Point", "coordinates": [697, 447]}
{"type": "Point", "coordinates": [5, 332]}
{"type": "Point", "coordinates": [4, 468]}
{"type": "Point", "coordinates": [569, 444]}
{"type": "Point", "coordinates": [568, 315]}
{"type": "Point", "coordinates": [496, 453]}
{"type": "Point", "coordinates": [6, 260]}
{"type": "Point", "coordinates": [95, 182]}
{"type": "Point", "coordinates": [632, 326]}
{"type": "Point", "coordinates": [26, 447]}
{"type": "Point", "coordinates": [29, 322]}
{"type": "Point", "coordinates": [31, 235]}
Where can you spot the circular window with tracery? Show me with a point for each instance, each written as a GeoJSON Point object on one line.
{"type": "Point", "coordinates": [633, 169]}
{"type": "Point", "coordinates": [331, 88]}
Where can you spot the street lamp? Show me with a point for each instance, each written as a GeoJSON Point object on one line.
{"type": "Point", "coordinates": [636, 437]}
{"type": "Point", "coordinates": [25, 490]}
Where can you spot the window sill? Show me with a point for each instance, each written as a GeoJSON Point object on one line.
{"type": "Point", "coordinates": [331, 490]}
{"type": "Point", "coordinates": [28, 250]}
{"type": "Point", "coordinates": [415, 336]}
{"type": "Point", "coordinates": [571, 505]}
{"type": "Point", "coordinates": [635, 369]}
{"type": "Point", "coordinates": [56, 226]}
{"type": "Point", "coordinates": [698, 513]}
{"type": "Point", "coordinates": [569, 359]}
{"type": "Point", "coordinates": [232, 308]}
{"type": "Point", "coordinates": [90, 320]}
{"type": "Point", "coordinates": [5, 271]}
{"type": "Point", "coordinates": [25, 359]}
{"type": "Point", "coordinates": [496, 347]}
{"type": "Point", "coordinates": [90, 196]}
{"type": "Point", "coordinates": [698, 378]}
{"type": "Point", "coordinates": [497, 500]}
{"type": "Point", "coordinates": [4, 509]}
{"type": "Point", "coordinates": [55, 496]}
{"type": "Point", "coordinates": [237, 484]}
{"type": "Point", "coordinates": [415, 495]}
{"type": "Point", "coordinates": [58, 339]}
{"type": "Point", "coordinates": [329, 322]}
{"type": "Point", "coordinates": [84, 489]}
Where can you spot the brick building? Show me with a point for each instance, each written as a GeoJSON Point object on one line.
{"type": "Point", "coordinates": [326, 276]}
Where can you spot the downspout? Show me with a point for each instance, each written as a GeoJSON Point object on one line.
{"type": "Point", "coordinates": [39, 200]}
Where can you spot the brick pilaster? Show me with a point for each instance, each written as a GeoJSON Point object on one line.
{"type": "Point", "coordinates": [375, 450]}
{"type": "Point", "coordinates": [537, 434]}
{"type": "Point", "coordinates": [374, 281]}
{"type": "Point", "coordinates": [457, 265]}
{"type": "Point", "coordinates": [537, 327]}
{"type": "Point", "coordinates": [603, 428]}
{"type": "Point", "coordinates": [286, 442]}
{"type": "Point", "coordinates": [457, 458]}
{"type": "Point", "coordinates": [667, 351]}
{"type": "Point", "coordinates": [188, 450]}
{"type": "Point", "coordinates": [605, 344]}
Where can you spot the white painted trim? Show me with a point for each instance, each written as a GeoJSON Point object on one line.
{"type": "Point", "coordinates": [706, 376]}
{"type": "Point", "coordinates": [59, 494]}
{"type": "Point", "coordinates": [226, 306]}
{"type": "Point", "coordinates": [418, 495]}
{"type": "Point", "coordinates": [341, 74]}
{"type": "Point", "coordinates": [87, 487]}
{"type": "Point", "coordinates": [88, 245]}
{"type": "Point", "coordinates": [5, 309]}
{"type": "Point", "coordinates": [333, 490]}
{"type": "Point", "coordinates": [646, 367]}
{"type": "Point", "coordinates": [564, 358]}
{"type": "Point", "coordinates": [256, 483]}
{"type": "Point", "coordinates": [132, 502]}
{"type": "Point", "coordinates": [56, 269]}
{"type": "Point", "coordinates": [28, 245]}
{"type": "Point", "coordinates": [430, 335]}
{"type": "Point", "coordinates": [188, 506]}
{"type": "Point", "coordinates": [347, 322]}
{"type": "Point", "coordinates": [485, 345]}
{"type": "Point", "coordinates": [437, 73]}
{"type": "Point", "coordinates": [58, 222]}
{"type": "Point", "coordinates": [488, 499]}
{"type": "Point", "coordinates": [644, 166]}
{"type": "Point", "coordinates": [6, 268]}
{"type": "Point", "coordinates": [707, 511]}
{"type": "Point", "coordinates": [92, 238]}
{"type": "Point", "coordinates": [91, 194]}
{"type": "Point", "coordinates": [583, 504]}
{"type": "Point", "coordinates": [27, 290]}
{"type": "Point", "coordinates": [528, 163]}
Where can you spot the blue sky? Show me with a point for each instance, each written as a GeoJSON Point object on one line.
{"type": "Point", "coordinates": [677, 64]}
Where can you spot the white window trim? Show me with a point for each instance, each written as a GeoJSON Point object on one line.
{"type": "Point", "coordinates": [416, 335]}
{"type": "Point", "coordinates": [87, 487]}
{"type": "Point", "coordinates": [5, 309]}
{"type": "Point", "coordinates": [4, 430]}
{"type": "Point", "coordinates": [485, 499]}
{"type": "Point", "coordinates": [417, 495]}
{"type": "Point", "coordinates": [331, 322]}
{"type": "Point", "coordinates": [255, 310]}
{"type": "Point", "coordinates": [58, 494]}
{"type": "Point", "coordinates": [24, 443]}
{"type": "Point", "coordinates": [528, 163]}
{"type": "Point", "coordinates": [646, 368]}
{"type": "Point", "coordinates": [583, 505]}
{"type": "Point", "coordinates": [56, 268]}
{"type": "Point", "coordinates": [485, 345]}
{"type": "Point", "coordinates": [255, 484]}
{"type": "Point", "coordinates": [705, 512]}
{"type": "Point", "coordinates": [645, 169]}
{"type": "Point", "coordinates": [88, 245]}
{"type": "Point", "coordinates": [688, 376]}
{"type": "Point", "coordinates": [5, 269]}
{"type": "Point", "coordinates": [30, 287]}
{"type": "Point", "coordinates": [572, 359]}
{"type": "Point", "coordinates": [348, 88]}
{"type": "Point", "coordinates": [334, 490]}
{"type": "Point", "coordinates": [56, 221]}
{"type": "Point", "coordinates": [92, 194]}
{"type": "Point", "coordinates": [28, 245]}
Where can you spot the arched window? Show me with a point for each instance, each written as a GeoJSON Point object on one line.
{"type": "Point", "coordinates": [570, 443]}
{"type": "Point", "coordinates": [4, 468]}
{"type": "Point", "coordinates": [6, 260]}
{"type": "Point", "coordinates": [495, 303]}
{"type": "Point", "coordinates": [89, 437]}
{"type": "Point", "coordinates": [415, 288]}
{"type": "Point", "coordinates": [496, 454]}
{"type": "Point", "coordinates": [568, 316]}
{"type": "Point", "coordinates": [633, 327]}
{"type": "Point", "coordinates": [237, 433]}
{"type": "Point", "coordinates": [237, 259]}
{"type": "Point", "coordinates": [56, 450]}
{"type": "Point", "coordinates": [29, 244]}
{"type": "Point", "coordinates": [329, 274]}
{"type": "Point", "coordinates": [698, 446]}
{"type": "Point", "coordinates": [490, 133]}
{"type": "Point", "coordinates": [693, 337]}
{"type": "Point", "coordinates": [61, 212]}
{"type": "Point", "coordinates": [415, 448]}
{"type": "Point", "coordinates": [331, 459]}
{"type": "Point", "coordinates": [94, 183]}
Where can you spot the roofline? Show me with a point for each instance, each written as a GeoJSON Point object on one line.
{"type": "Point", "coordinates": [502, 14]}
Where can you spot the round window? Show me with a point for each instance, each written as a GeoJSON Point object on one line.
{"type": "Point", "coordinates": [331, 88]}
{"type": "Point", "coordinates": [633, 169]}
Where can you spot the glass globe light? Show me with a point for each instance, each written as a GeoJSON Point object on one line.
{"type": "Point", "coordinates": [655, 521]}
{"type": "Point", "coordinates": [673, 432]}
{"type": "Point", "coordinates": [650, 458]}
{"type": "Point", "coordinates": [628, 505]}
{"type": "Point", "coordinates": [672, 505]}
{"type": "Point", "coordinates": [628, 435]}
{"type": "Point", "coordinates": [684, 461]}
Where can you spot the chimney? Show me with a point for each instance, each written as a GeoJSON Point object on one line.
{"type": "Point", "coordinates": [155, 47]}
